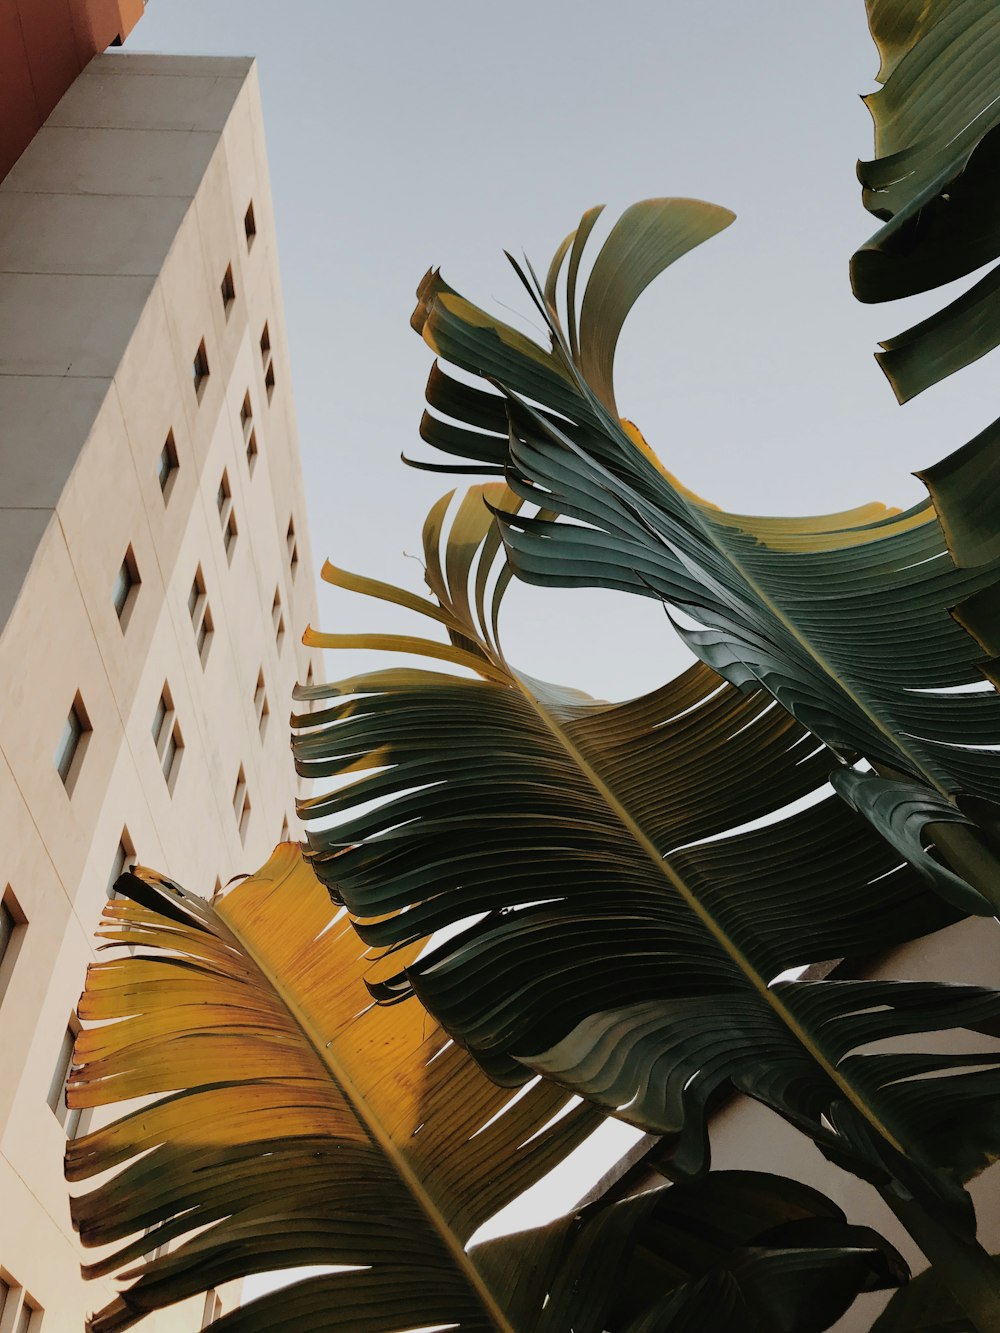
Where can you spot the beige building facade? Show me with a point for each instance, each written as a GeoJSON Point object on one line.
{"type": "Point", "coordinates": [155, 573]}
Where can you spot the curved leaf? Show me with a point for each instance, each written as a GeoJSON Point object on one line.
{"type": "Point", "coordinates": [308, 1127]}
{"type": "Point", "coordinates": [844, 619]}
{"type": "Point", "coordinates": [736, 1245]}
{"type": "Point", "coordinates": [934, 181]}
{"type": "Point", "coordinates": [631, 939]}
{"type": "Point", "coordinates": [295, 1125]}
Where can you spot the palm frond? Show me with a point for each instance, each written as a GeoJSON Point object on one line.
{"type": "Point", "coordinates": [844, 618]}
{"type": "Point", "coordinates": [631, 941]}
{"type": "Point", "coordinates": [933, 182]}
{"type": "Point", "coordinates": [287, 1121]}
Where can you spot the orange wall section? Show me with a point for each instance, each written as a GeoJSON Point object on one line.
{"type": "Point", "coordinates": [44, 44]}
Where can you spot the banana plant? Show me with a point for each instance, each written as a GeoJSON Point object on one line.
{"type": "Point", "coordinates": [606, 927]}
{"type": "Point", "coordinates": [862, 624]}
{"type": "Point", "coordinates": [287, 1121]}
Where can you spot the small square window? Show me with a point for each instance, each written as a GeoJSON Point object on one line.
{"type": "Point", "coordinates": [252, 451]}
{"type": "Point", "coordinates": [72, 744]}
{"type": "Point", "coordinates": [250, 225]}
{"type": "Point", "coordinates": [293, 549]}
{"type": "Point", "coordinates": [265, 348]}
{"type": "Point", "coordinates": [125, 589]}
{"type": "Point", "coordinates": [166, 468]}
{"type": "Point", "coordinates": [158, 1250]}
{"type": "Point", "coordinates": [201, 616]}
{"type": "Point", "coordinates": [278, 620]}
{"type": "Point", "coordinates": [199, 369]}
{"type": "Point", "coordinates": [13, 924]}
{"type": "Point", "coordinates": [69, 1118]}
{"type": "Point", "coordinates": [124, 853]}
{"type": "Point", "coordinates": [269, 380]}
{"type": "Point", "coordinates": [167, 737]}
{"type": "Point", "coordinates": [228, 289]}
{"type": "Point", "coordinates": [260, 704]}
{"type": "Point", "coordinates": [204, 633]}
{"type": "Point", "coordinates": [29, 1319]}
{"type": "Point", "coordinates": [224, 503]}
{"type": "Point", "coordinates": [229, 535]}
{"type": "Point", "coordinates": [241, 804]}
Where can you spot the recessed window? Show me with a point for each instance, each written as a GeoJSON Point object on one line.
{"type": "Point", "coordinates": [199, 369]}
{"type": "Point", "coordinates": [68, 1117]}
{"type": "Point", "coordinates": [228, 289]}
{"type": "Point", "coordinates": [241, 804]}
{"type": "Point", "coordinates": [72, 744]}
{"type": "Point", "coordinates": [18, 1312]}
{"type": "Point", "coordinates": [269, 380]}
{"type": "Point", "coordinates": [13, 923]}
{"type": "Point", "coordinates": [167, 737]}
{"type": "Point", "coordinates": [125, 588]}
{"type": "Point", "coordinates": [293, 550]}
{"type": "Point", "coordinates": [30, 1317]}
{"type": "Point", "coordinates": [213, 1308]}
{"type": "Point", "coordinates": [166, 468]}
{"type": "Point", "coordinates": [249, 433]}
{"type": "Point", "coordinates": [157, 1250]}
{"type": "Point", "coordinates": [260, 705]}
{"type": "Point", "coordinates": [124, 855]}
{"type": "Point", "coordinates": [278, 620]}
{"type": "Point", "coordinates": [265, 348]}
{"type": "Point", "coordinates": [250, 225]}
{"type": "Point", "coordinates": [224, 503]}
{"type": "Point", "coordinates": [201, 616]}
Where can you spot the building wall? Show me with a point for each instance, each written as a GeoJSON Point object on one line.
{"type": "Point", "coordinates": [117, 226]}
{"type": "Point", "coordinates": [44, 45]}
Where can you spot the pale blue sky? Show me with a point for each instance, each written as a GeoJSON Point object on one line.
{"type": "Point", "coordinates": [405, 135]}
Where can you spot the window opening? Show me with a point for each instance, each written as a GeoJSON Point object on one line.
{"type": "Point", "coordinates": [167, 466]}
{"type": "Point", "coordinates": [200, 370]}
{"type": "Point", "coordinates": [167, 737]}
{"type": "Point", "coordinates": [278, 620]}
{"type": "Point", "coordinates": [125, 589]}
{"type": "Point", "coordinates": [72, 744]}
{"type": "Point", "coordinates": [124, 853]}
{"type": "Point", "coordinates": [224, 503]}
{"type": "Point", "coordinates": [68, 1117]}
{"type": "Point", "coordinates": [201, 616]}
{"type": "Point", "coordinates": [228, 289]}
{"type": "Point", "coordinates": [241, 803]}
{"type": "Point", "coordinates": [260, 704]}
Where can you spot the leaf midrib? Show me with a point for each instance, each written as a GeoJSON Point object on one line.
{"type": "Point", "coordinates": [343, 1081]}
{"type": "Point", "coordinates": [707, 919]}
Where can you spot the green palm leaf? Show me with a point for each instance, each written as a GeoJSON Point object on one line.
{"type": "Point", "coordinates": [933, 182]}
{"type": "Point", "coordinates": [294, 1124]}
{"type": "Point", "coordinates": [844, 619]}
{"type": "Point", "coordinates": [630, 948]}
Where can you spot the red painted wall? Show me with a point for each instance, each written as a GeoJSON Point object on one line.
{"type": "Point", "coordinates": [44, 44]}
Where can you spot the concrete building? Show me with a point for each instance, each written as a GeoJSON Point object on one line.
{"type": "Point", "coordinates": [155, 573]}
{"type": "Point", "coordinates": [44, 45]}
